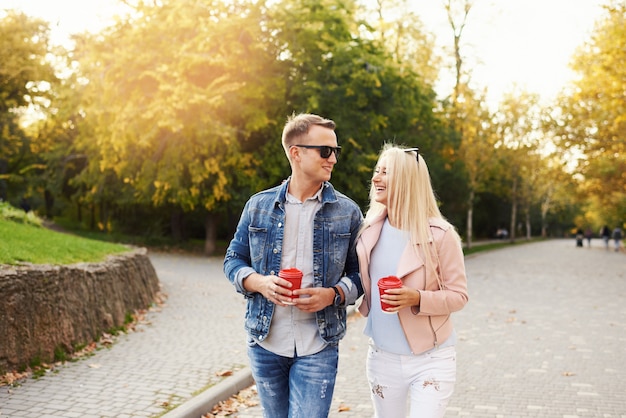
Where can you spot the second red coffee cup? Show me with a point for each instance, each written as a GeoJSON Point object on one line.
{"type": "Point", "coordinates": [389, 282]}
{"type": "Point", "coordinates": [294, 276]}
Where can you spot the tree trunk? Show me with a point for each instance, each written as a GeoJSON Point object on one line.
{"type": "Point", "coordinates": [104, 216]}
{"type": "Point", "coordinates": [545, 207]}
{"type": "Point", "coordinates": [513, 211]}
{"type": "Point", "coordinates": [4, 167]}
{"type": "Point", "coordinates": [210, 227]}
{"type": "Point", "coordinates": [513, 220]}
{"type": "Point", "coordinates": [528, 226]}
{"type": "Point", "coordinates": [92, 220]}
{"type": "Point", "coordinates": [470, 216]}
{"type": "Point", "coordinates": [176, 224]}
{"type": "Point", "coordinates": [49, 199]}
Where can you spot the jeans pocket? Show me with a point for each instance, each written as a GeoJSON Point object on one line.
{"type": "Point", "coordinates": [250, 341]}
{"type": "Point", "coordinates": [443, 353]}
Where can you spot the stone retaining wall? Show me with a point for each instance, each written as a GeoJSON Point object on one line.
{"type": "Point", "coordinates": [45, 307]}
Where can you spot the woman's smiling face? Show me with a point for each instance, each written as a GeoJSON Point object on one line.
{"type": "Point", "coordinates": [380, 182]}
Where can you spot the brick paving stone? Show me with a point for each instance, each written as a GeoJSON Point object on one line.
{"type": "Point", "coordinates": [542, 336]}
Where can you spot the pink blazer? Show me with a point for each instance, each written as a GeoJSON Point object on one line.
{"type": "Point", "coordinates": [432, 325]}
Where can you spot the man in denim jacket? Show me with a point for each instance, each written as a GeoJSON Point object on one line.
{"type": "Point", "coordinates": [305, 224]}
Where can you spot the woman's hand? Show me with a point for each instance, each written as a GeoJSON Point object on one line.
{"type": "Point", "coordinates": [401, 298]}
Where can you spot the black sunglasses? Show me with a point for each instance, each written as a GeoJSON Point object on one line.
{"type": "Point", "coordinates": [325, 150]}
{"type": "Point", "coordinates": [417, 152]}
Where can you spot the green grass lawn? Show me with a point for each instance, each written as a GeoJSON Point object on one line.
{"type": "Point", "coordinates": [22, 240]}
{"type": "Point", "coordinates": [24, 243]}
{"type": "Point", "coordinates": [478, 247]}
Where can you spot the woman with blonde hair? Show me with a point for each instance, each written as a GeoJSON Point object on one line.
{"type": "Point", "coordinates": [412, 343]}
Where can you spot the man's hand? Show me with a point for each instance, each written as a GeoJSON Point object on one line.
{"type": "Point", "coordinates": [313, 299]}
{"type": "Point", "coordinates": [273, 288]}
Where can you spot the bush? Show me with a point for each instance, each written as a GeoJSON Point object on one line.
{"type": "Point", "coordinates": [14, 214]}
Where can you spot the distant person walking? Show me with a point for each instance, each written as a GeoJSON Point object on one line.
{"type": "Point", "coordinates": [617, 236]}
{"type": "Point", "coordinates": [605, 233]}
{"type": "Point", "coordinates": [579, 237]}
{"type": "Point", "coordinates": [588, 236]}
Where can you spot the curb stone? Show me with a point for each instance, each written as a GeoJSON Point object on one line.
{"type": "Point", "coordinates": [205, 401]}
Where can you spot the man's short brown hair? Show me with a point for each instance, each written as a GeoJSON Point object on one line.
{"type": "Point", "coordinates": [298, 126]}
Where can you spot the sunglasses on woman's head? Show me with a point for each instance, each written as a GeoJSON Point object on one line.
{"type": "Point", "coordinates": [324, 150]}
{"type": "Point", "coordinates": [417, 152]}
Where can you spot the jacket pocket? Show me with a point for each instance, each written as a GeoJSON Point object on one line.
{"type": "Point", "coordinates": [341, 245]}
{"type": "Point", "coordinates": [258, 238]}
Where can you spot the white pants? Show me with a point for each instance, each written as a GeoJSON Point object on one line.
{"type": "Point", "coordinates": [428, 377]}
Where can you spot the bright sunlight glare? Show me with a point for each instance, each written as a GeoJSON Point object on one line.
{"type": "Point", "coordinates": [507, 44]}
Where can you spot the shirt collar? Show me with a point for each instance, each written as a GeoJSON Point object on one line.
{"type": "Point", "coordinates": [317, 196]}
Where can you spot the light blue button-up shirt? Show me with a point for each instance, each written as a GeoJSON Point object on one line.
{"type": "Point", "coordinates": [294, 331]}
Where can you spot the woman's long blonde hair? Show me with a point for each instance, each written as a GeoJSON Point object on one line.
{"type": "Point", "coordinates": [411, 200]}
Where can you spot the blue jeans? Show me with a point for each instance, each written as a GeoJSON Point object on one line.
{"type": "Point", "coordinates": [299, 387]}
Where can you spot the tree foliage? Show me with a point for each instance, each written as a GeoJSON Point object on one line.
{"type": "Point", "coordinates": [173, 94]}
{"type": "Point", "coordinates": [167, 121]}
{"type": "Point", "coordinates": [25, 77]}
{"type": "Point", "coordinates": [593, 119]}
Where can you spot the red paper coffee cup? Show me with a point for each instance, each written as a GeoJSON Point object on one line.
{"type": "Point", "coordinates": [294, 276]}
{"type": "Point", "coordinates": [390, 282]}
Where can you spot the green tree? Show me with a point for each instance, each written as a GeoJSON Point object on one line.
{"type": "Point", "coordinates": [401, 32]}
{"type": "Point", "coordinates": [469, 117]}
{"type": "Point", "coordinates": [518, 125]}
{"type": "Point", "coordinates": [592, 124]}
{"type": "Point", "coordinates": [25, 77]}
{"type": "Point", "coordinates": [179, 108]}
{"type": "Point", "coordinates": [411, 68]}
{"type": "Point", "coordinates": [335, 69]}
{"type": "Point", "coordinates": [555, 188]}
{"type": "Point", "coordinates": [477, 149]}
{"type": "Point", "coordinates": [174, 91]}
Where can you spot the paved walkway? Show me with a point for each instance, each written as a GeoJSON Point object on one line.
{"type": "Point", "coordinates": [197, 335]}
{"type": "Point", "coordinates": [544, 335]}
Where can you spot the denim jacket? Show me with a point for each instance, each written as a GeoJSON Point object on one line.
{"type": "Point", "coordinates": [257, 247]}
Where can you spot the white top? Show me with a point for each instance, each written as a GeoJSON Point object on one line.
{"type": "Point", "coordinates": [382, 327]}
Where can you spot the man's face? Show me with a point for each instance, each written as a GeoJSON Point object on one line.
{"type": "Point", "coordinates": [311, 163]}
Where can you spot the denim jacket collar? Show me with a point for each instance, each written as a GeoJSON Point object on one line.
{"type": "Point", "coordinates": [328, 194]}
